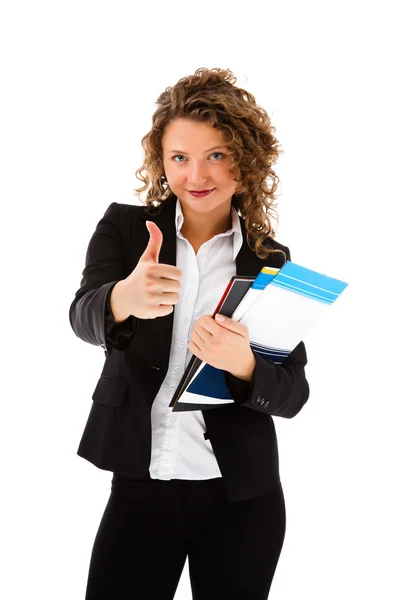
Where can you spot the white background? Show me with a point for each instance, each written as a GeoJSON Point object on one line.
{"type": "Point", "coordinates": [79, 84]}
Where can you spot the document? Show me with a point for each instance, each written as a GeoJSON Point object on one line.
{"type": "Point", "coordinates": [279, 307]}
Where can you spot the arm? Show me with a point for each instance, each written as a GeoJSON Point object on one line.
{"type": "Point", "coordinates": [276, 389]}
{"type": "Point", "coordinates": [119, 334]}
{"type": "Point", "coordinates": [90, 313]}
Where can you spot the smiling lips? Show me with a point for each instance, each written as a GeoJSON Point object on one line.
{"type": "Point", "coordinates": [197, 194]}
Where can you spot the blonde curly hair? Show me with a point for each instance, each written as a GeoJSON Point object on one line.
{"type": "Point", "coordinates": [210, 96]}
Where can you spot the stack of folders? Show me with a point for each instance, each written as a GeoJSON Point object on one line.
{"type": "Point", "coordinates": [278, 306]}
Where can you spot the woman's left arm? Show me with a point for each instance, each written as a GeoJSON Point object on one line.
{"type": "Point", "coordinates": [276, 389]}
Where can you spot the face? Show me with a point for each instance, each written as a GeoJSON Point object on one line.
{"type": "Point", "coordinates": [195, 157]}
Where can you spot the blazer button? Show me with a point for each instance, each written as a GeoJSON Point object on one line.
{"type": "Point", "coordinates": [266, 403]}
{"type": "Point", "coordinates": [261, 402]}
{"type": "Point", "coordinates": [258, 398]}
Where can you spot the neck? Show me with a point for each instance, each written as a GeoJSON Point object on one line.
{"type": "Point", "coordinates": [205, 226]}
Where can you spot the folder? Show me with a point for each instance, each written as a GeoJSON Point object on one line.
{"type": "Point", "coordinates": [279, 307]}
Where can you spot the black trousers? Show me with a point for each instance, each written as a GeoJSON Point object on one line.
{"type": "Point", "coordinates": [150, 526]}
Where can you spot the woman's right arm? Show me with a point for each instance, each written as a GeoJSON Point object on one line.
{"type": "Point", "coordinates": [91, 313]}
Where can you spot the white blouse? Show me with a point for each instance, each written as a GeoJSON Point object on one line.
{"type": "Point", "coordinates": [179, 450]}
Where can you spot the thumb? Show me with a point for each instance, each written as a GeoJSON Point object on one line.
{"type": "Point", "coordinates": [154, 245]}
{"type": "Point", "coordinates": [235, 326]}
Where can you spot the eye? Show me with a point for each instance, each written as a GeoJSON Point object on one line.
{"type": "Point", "coordinates": [181, 155]}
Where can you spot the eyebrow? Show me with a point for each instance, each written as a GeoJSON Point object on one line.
{"type": "Point", "coordinates": [205, 152]}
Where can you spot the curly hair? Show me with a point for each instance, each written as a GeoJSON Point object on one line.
{"type": "Point", "coordinates": [210, 96]}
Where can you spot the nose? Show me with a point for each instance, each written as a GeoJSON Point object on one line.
{"type": "Point", "coordinates": [198, 175]}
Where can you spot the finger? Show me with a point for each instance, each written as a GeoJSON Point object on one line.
{"type": "Point", "coordinates": [200, 338]}
{"type": "Point", "coordinates": [208, 323]}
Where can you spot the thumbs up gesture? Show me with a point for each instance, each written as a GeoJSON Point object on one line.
{"type": "Point", "coordinates": [152, 289]}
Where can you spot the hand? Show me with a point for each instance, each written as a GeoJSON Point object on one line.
{"type": "Point", "coordinates": [223, 345]}
{"type": "Point", "coordinates": [152, 289]}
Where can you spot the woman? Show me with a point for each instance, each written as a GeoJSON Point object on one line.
{"type": "Point", "coordinates": [201, 484]}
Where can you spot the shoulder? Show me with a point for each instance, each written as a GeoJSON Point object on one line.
{"type": "Point", "coordinates": [124, 210]}
{"type": "Point", "coordinates": [122, 214]}
{"type": "Point", "coordinates": [275, 245]}
{"type": "Point", "coordinates": [131, 208]}
{"type": "Point", "coordinates": [269, 242]}
{"type": "Point", "coordinates": [121, 218]}
{"type": "Point", "coordinates": [272, 244]}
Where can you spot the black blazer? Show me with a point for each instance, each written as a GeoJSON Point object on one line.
{"type": "Point", "coordinates": [117, 435]}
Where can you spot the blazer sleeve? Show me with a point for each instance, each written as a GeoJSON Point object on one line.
{"type": "Point", "coordinates": [276, 389]}
{"type": "Point", "coordinates": [90, 313]}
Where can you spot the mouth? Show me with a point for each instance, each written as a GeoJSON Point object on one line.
{"type": "Point", "coordinates": [200, 193]}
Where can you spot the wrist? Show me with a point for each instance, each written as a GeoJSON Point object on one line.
{"type": "Point", "coordinates": [247, 373]}
{"type": "Point", "coordinates": [117, 302]}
